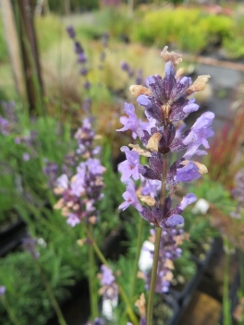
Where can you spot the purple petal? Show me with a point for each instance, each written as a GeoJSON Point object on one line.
{"type": "Point", "coordinates": [175, 220]}
{"type": "Point", "coordinates": [188, 199]}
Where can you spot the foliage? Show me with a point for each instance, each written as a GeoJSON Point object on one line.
{"type": "Point", "coordinates": [169, 26]}
{"type": "Point", "coordinates": [49, 30]}
{"type": "Point", "coordinates": [75, 5]}
{"type": "Point", "coordinates": [234, 45]}
{"type": "Point", "coordinates": [25, 292]}
{"type": "Point", "coordinates": [26, 194]}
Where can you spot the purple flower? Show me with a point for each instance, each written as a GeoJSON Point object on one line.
{"type": "Point", "coordinates": [187, 173]}
{"type": "Point", "coordinates": [2, 291]}
{"type": "Point", "coordinates": [84, 72]}
{"type": "Point", "coordinates": [77, 185]}
{"type": "Point", "coordinates": [188, 199]}
{"type": "Point", "coordinates": [81, 58]}
{"type": "Point", "coordinates": [87, 85]}
{"type": "Point", "coordinates": [131, 122]}
{"type": "Point", "coordinates": [180, 88]}
{"type": "Point", "coordinates": [130, 198]}
{"type": "Point", "coordinates": [51, 171]}
{"type": "Point", "coordinates": [139, 77]}
{"type": "Point", "coordinates": [62, 182]}
{"type": "Point", "coordinates": [109, 288]}
{"type": "Point", "coordinates": [9, 111]}
{"type": "Point", "coordinates": [71, 32]}
{"type": "Point", "coordinates": [130, 167]}
{"type": "Point", "coordinates": [125, 66]}
{"type": "Point", "coordinates": [4, 126]}
{"type": "Point", "coordinates": [72, 220]}
{"type": "Point", "coordinates": [107, 276]}
{"type": "Point", "coordinates": [200, 131]}
{"type": "Point", "coordinates": [29, 244]}
{"type": "Point", "coordinates": [97, 321]}
{"type": "Point", "coordinates": [94, 166]}
{"type": "Point", "coordinates": [174, 220]}
{"type": "Point", "coordinates": [26, 156]}
{"type": "Point", "coordinates": [78, 48]}
{"type": "Point", "coordinates": [151, 187]}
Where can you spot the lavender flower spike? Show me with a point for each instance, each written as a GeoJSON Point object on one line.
{"type": "Point", "coordinates": [166, 103]}
{"type": "Point", "coordinates": [71, 32]}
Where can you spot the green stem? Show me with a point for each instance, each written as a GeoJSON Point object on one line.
{"type": "Point", "coordinates": [137, 256]}
{"type": "Point", "coordinates": [51, 296]}
{"type": "Point", "coordinates": [153, 276]}
{"type": "Point", "coordinates": [157, 243]}
{"type": "Point", "coordinates": [226, 300]}
{"type": "Point", "coordinates": [9, 310]}
{"type": "Point", "coordinates": [92, 282]}
{"type": "Point", "coordinates": [121, 290]}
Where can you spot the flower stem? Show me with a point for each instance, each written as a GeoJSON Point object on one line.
{"type": "Point", "coordinates": [164, 176]}
{"type": "Point", "coordinates": [157, 245]}
{"type": "Point", "coordinates": [121, 290]}
{"type": "Point", "coordinates": [92, 282]}
{"type": "Point", "coordinates": [153, 276]}
{"type": "Point", "coordinates": [52, 298]}
{"type": "Point", "coordinates": [9, 310]}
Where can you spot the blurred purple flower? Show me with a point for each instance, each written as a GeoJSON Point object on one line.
{"type": "Point", "coordinates": [71, 32]}
{"type": "Point", "coordinates": [2, 291]}
{"type": "Point", "coordinates": [109, 288]}
{"type": "Point", "coordinates": [26, 156]}
{"type": "Point", "coordinates": [29, 244]}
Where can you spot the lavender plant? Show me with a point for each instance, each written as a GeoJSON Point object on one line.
{"type": "Point", "coordinates": [30, 245]}
{"type": "Point", "coordinates": [166, 102]}
{"type": "Point", "coordinates": [7, 306]}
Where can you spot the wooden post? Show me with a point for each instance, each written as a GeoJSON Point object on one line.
{"type": "Point", "coordinates": [11, 36]}
{"type": "Point", "coordinates": [67, 7]}
{"type": "Point", "coordinates": [31, 63]}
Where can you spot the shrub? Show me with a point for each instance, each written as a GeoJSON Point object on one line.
{"type": "Point", "coordinates": [188, 28]}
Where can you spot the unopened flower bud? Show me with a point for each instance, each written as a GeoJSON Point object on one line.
{"type": "Point", "coordinates": [198, 85]}
{"type": "Point", "coordinates": [137, 90]}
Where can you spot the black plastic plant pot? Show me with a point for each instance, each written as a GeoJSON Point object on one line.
{"type": "Point", "coordinates": [183, 296]}
{"type": "Point", "coordinates": [76, 308]}
{"type": "Point", "coordinates": [11, 237]}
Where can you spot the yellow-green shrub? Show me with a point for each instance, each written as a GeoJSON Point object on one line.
{"type": "Point", "coordinates": [188, 28]}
